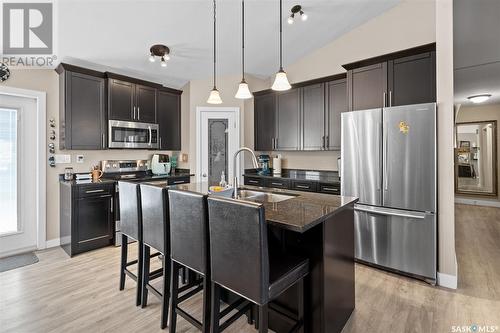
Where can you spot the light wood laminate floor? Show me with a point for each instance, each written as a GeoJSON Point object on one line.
{"type": "Point", "coordinates": [81, 294]}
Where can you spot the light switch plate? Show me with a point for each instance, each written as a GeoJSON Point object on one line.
{"type": "Point", "coordinates": [184, 157]}
{"type": "Point", "coordinates": [79, 158]}
{"type": "Point", "coordinates": [62, 158]}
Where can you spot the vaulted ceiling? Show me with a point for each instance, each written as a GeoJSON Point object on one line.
{"type": "Point", "coordinates": [117, 34]}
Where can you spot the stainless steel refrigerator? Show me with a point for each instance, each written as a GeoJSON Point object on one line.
{"type": "Point", "coordinates": [388, 160]}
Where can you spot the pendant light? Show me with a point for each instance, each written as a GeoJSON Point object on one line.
{"type": "Point", "coordinates": [214, 97]}
{"type": "Point", "coordinates": [281, 81]}
{"type": "Point", "coordinates": [243, 91]}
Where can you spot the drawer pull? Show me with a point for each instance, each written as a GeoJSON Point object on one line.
{"type": "Point", "coordinates": [253, 181]}
{"type": "Point", "coordinates": [278, 184]}
{"type": "Point", "coordinates": [330, 189]}
{"type": "Point", "coordinates": [303, 186]}
{"type": "Point", "coordinates": [94, 191]}
{"type": "Point", "coordinates": [179, 182]}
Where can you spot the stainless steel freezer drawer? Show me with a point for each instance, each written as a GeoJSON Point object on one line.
{"type": "Point", "coordinates": [396, 239]}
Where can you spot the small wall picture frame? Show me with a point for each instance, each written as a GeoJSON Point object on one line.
{"type": "Point", "coordinates": [464, 144]}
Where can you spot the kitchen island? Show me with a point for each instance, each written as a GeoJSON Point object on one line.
{"type": "Point", "coordinates": [321, 227]}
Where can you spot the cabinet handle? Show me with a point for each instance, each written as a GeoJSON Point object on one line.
{"type": "Point", "coordinates": [133, 116]}
{"type": "Point", "coordinates": [103, 141]}
{"type": "Point", "coordinates": [327, 145]}
{"type": "Point", "coordinates": [303, 186]}
{"type": "Point", "coordinates": [277, 184]}
{"type": "Point", "coordinates": [330, 189]}
{"type": "Point", "coordinates": [253, 181]}
{"type": "Point", "coordinates": [94, 191]}
{"type": "Point", "coordinates": [390, 97]}
{"type": "Point", "coordinates": [178, 182]}
{"type": "Point", "coordinates": [111, 204]}
{"type": "Point", "coordinates": [276, 143]}
{"type": "Point", "coordinates": [138, 113]}
{"type": "Point", "coordinates": [384, 99]}
{"type": "Point", "coordinates": [160, 144]}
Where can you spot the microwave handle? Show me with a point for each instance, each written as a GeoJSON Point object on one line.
{"type": "Point", "coordinates": [150, 135]}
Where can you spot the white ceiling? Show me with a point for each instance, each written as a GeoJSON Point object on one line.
{"type": "Point", "coordinates": [476, 49]}
{"type": "Point", "coordinates": [117, 34]}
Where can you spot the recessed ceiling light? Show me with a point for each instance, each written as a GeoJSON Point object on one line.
{"type": "Point", "coordinates": [479, 98]}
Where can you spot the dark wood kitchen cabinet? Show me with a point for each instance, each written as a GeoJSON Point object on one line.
{"type": "Point", "coordinates": [130, 99]}
{"type": "Point", "coordinates": [87, 216]}
{"type": "Point", "coordinates": [400, 78]}
{"type": "Point", "coordinates": [313, 117]}
{"type": "Point", "coordinates": [336, 104]}
{"type": "Point", "coordinates": [264, 121]}
{"type": "Point", "coordinates": [82, 110]}
{"type": "Point", "coordinates": [288, 120]}
{"type": "Point", "coordinates": [169, 120]}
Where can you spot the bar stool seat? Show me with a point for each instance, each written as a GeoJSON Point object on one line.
{"type": "Point", "coordinates": [285, 270]}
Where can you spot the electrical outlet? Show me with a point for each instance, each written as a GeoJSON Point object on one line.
{"type": "Point", "coordinates": [79, 159]}
{"type": "Point", "coordinates": [184, 158]}
{"type": "Point", "coordinates": [62, 158]}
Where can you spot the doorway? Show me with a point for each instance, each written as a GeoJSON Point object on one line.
{"type": "Point", "coordinates": [22, 171]}
{"type": "Point", "coordinates": [217, 139]}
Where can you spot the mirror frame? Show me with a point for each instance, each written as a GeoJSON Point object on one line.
{"type": "Point", "coordinates": [494, 192]}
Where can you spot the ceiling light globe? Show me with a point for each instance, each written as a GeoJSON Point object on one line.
{"type": "Point", "coordinates": [303, 17]}
{"type": "Point", "coordinates": [476, 99]}
{"type": "Point", "coordinates": [167, 57]}
{"type": "Point", "coordinates": [243, 91]}
{"type": "Point", "coordinates": [281, 81]}
{"type": "Point", "coordinates": [290, 20]}
{"type": "Point", "coordinates": [151, 58]}
{"type": "Point", "coordinates": [214, 97]}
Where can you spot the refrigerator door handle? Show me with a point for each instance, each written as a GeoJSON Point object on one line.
{"type": "Point", "coordinates": [390, 212]}
{"type": "Point", "coordinates": [379, 181]}
{"type": "Point", "coordinates": [385, 153]}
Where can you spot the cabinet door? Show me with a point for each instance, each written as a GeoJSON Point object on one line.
{"type": "Point", "coordinates": [84, 112]}
{"type": "Point", "coordinates": [121, 100]}
{"type": "Point", "coordinates": [94, 219]}
{"type": "Point", "coordinates": [337, 103]}
{"type": "Point", "coordinates": [313, 117]}
{"type": "Point", "coordinates": [367, 87]}
{"type": "Point", "coordinates": [412, 80]}
{"type": "Point", "coordinates": [169, 120]}
{"type": "Point", "coordinates": [288, 120]}
{"type": "Point", "coordinates": [264, 122]}
{"type": "Point", "coordinates": [145, 103]}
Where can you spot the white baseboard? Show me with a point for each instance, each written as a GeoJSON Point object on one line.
{"type": "Point", "coordinates": [476, 202]}
{"type": "Point", "coordinates": [53, 243]}
{"type": "Point", "coordinates": [17, 251]}
{"type": "Point", "coordinates": [447, 280]}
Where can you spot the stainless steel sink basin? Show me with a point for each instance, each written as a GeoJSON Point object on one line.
{"type": "Point", "coordinates": [259, 196]}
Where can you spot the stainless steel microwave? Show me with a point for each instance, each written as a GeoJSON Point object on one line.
{"type": "Point", "coordinates": [129, 134]}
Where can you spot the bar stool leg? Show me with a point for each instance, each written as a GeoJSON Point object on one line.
{"type": "Point", "coordinates": [263, 318]}
{"type": "Point", "coordinates": [174, 293]}
{"type": "Point", "coordinates": [215, 308]}
{"type": "Point", "coordinates": [123, 261]}
{"type": "Point", "coordinates": [207, 292]}
{"type": "Point", "coordinates": [146, 261]}
{"type": "Point", "coordinates": [301, 305]}
{"type": "Point", "coordinates": [165, 296]}
{"type": "Point", "coordinates": [139, 274]}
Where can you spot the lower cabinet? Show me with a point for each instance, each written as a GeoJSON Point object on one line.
{"type": "Point", "coordinates": [293, 184]}
{"type": "Point", "coordinates": [87, 217]}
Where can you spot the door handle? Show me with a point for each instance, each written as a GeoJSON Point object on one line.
{"type": "Point", "coordinates": [390, 212]}
{"type": "Point", "coordinates": [379, 181]}
{"type": "Point", "coordinates": [150, 135]}
{"type": "Point", "coordinates": [204, 175]}
{"type": "Point", "coordinates": [385, 152]}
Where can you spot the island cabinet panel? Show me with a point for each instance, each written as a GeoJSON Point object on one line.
{"type": "Point", "coordinates": [336, 104]}
{"type": "Point", "coordinates": [145, 102]}
{"type": "Point", "coordinates": [121, 100]}
{"type": "Point", "coordinates": [367, 87]}
{"type": "Point", "coordinates": [313, 117]}
{"type": "Point", "coordinates": [264, 122]}
{"type": "Point", "coordinates": [169, 120]}
{"type": "Point", "coordinates": [412, 79]}
{"type": "Point", "coordinates": [288, 120]}
{"type": "Point", "coordinates": [82, 111]}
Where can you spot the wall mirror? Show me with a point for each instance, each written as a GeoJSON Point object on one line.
{"type": "Point", "coordinates": [475, 158]}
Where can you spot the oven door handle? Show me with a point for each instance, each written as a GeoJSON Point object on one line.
{"type": "Point", "coordinates": [150, 135]}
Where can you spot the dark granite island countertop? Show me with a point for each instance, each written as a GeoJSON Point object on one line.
{"type": "Point", "coordinates": [301, 212]}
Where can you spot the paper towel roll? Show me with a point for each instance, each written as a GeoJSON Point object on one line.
{"type": "Point", "coordinates": [277, 165]}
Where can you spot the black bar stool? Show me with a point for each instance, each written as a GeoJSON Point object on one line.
{"type": "Point", "coordinates": [190, 248]}
{"type": "Point", "coordinates": [242, 262]}
{"type": "Point", "coordinates": [156, 235]}
{"type": "Point", "coordinates": [131, 227]}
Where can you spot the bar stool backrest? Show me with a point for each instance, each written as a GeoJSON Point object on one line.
{"type": "Point", "coordinates": [189, 230]}
{"type": "Point", "coordinates": [130, 209]}
{"type": "Point", "coordinates": [239, 248]}
{"type": "Point", "coordinates": [155, 217]}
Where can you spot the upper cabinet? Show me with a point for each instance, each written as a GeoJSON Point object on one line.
{"type": "Point", "coordinates": [288, 120]}
{"type": "Point", "coordinates": [82, 110]}
{"type": "Point", "coordinates": [265, 121]}
{"type": "Point", "coordinates": [169, 120]}
{"type": "Point", "coordinates": [131, 99]}
{"type": "Point", "coordinates": [401, 78]}
{"type": "Point", "coordinates": [336, 104]}
{"type": "Point", "coordinates": [313, 117]}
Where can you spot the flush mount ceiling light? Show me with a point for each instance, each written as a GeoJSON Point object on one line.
{"type": "Point", "coordinates": [243, 91]}
{"type": "Point", "coordinates": [296, 10]}
{"type": "Point", "coordinates": [160, 51]}
{"type": "Point", "coordinates": [479, 98]}
{"type": "Point", "coordinates": [281, 81]}
{"type": "Point", "coordinates": [214, 97]}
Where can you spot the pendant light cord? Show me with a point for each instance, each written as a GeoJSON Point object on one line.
{"type": "Point", "coordinates": [243, 40]}
{"type": "Point", "coordinates": [214, 45]}
{"type": "Point", "coordinates": [281, 35]}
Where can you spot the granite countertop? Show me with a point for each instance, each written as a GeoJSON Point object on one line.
{"type": "Point", "coordinates": [331, 177]}
{"type": "Point", "coordinates": [300, 213]}
{"type": "Point", "coordinates": [141, 179]}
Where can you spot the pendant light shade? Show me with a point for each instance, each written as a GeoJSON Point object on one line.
{"type": "Point", "coordinates": [243, 91]}
{"type": "Point", "coordinates": [281, 81]}
{"type": "Point", "coordinates": [214, 97]}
